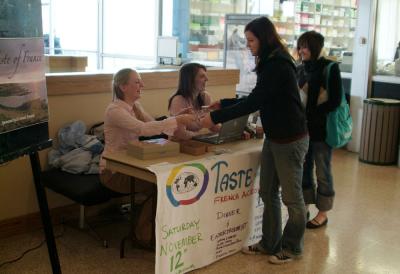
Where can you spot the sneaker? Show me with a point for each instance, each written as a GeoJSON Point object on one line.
{"type": "Point", "coordinates": [255, 249]}
{"type": "Point", "coordinates": [283, 257]}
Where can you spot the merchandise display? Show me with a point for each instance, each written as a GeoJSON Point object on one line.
{"type": "Point", "coordinates": [335, 19]}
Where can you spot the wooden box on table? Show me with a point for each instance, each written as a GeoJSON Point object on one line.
{"type": "Point", "coordinates": [153, 149]}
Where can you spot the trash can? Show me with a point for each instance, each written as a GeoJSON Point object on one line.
{"type": "Point", "coordinates": [380, 131]}
{"type": "Point", "coordinates": [398, 156]}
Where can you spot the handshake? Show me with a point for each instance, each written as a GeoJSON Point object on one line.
{"type": "Point", "coordinates": [188, 116]}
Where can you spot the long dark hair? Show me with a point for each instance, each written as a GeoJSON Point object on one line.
{"type": "Point", "coordinates": [312, 40]}
{"type": "Point", "coordinates": [268, 37]}
{"type": "Point", "coordinates": [186, 85]}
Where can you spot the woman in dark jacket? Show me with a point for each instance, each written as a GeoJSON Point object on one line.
{"type": "Point", "coordinates": [277, 98]}
{"type": "Point", "coordinates": [312, 74]}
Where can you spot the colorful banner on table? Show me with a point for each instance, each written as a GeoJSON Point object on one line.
{"type": "Point", "coordinates": [23, 96]}
{"type": "Point", "coordinates": [206, 210]}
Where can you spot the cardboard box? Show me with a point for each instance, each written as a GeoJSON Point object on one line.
{"type": "Point", "coordinates": [153, 149]}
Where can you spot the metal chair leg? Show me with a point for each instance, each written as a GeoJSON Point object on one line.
{"type": "Point", "coordinates": [83, 224]}
{"type": "Point", "coordinates": [97, 235]}
{"type": "Point", "coordinates": [81, 216]}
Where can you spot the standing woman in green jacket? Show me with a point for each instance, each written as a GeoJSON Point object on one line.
{"type": "Point", "coordinates": [277, 98]}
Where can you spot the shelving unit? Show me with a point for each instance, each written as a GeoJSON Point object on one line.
{"type": "Point", "coordinates": [206, 27]}
{"type": "Point", "coordinates": [335, 19]}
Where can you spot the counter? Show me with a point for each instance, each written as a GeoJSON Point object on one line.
{"type": "Point", "coordinates": [346, 75]}
{"type": "Point", "coordinates": [346, 83]}
{"type": "Point", "coordinates": [384, 86]}
{"type": "Point", "coordinates": [386, 79]}
{"type": "Point", "coordinates": [88, 83]}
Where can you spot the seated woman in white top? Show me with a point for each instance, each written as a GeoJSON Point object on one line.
{"type": "Point", "coordinates": [125, 120]}
{"type": "Point", "coordinates": [191, 94]}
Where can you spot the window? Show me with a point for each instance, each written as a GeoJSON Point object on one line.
{"type": "Point", "coordinates": [130, 32]}
{"type": "Point", "coordinates": [120, 33]}
{"type": "Point", "coordinates": [387, 38]}
{"type": "Point", "coordinates": [45, 17]}
{"type": "Point", "coordinates": [72, 37]}
{"type": "Point", "coordinates": [112, 33]}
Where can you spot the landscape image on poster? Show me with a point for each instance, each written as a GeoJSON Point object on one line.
{"type": "Point", "coordinates": [23, 95]}
{"type": "Point", "coordinates": [22, 104]}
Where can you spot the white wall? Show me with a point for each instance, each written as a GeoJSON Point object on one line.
{"type": "Point", "coordinates": [362, 66]}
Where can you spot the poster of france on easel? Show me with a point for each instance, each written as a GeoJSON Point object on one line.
{"type": "Point", "coordinates": [23, 96]}
{"type": "Point", "coordinates": [206, 210]}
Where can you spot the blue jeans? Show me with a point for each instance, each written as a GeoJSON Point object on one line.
{"type": "Point", "coordinates": [320, 155]}
{"type": "Point", "coordinates": [282, 166]}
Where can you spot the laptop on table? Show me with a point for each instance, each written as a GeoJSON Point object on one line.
{"type": "Point", "coordinates": [230, 131]}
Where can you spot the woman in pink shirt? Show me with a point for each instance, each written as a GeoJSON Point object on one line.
{"type": "Point", "coordinates": [125, 120]}
{"type": "Point", "coordinates": [191, 94]}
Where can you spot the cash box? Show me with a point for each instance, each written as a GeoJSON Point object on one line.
{"type": "Point", "coordinates": [153, 149]}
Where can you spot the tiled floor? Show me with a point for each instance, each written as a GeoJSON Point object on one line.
{"type": "Point", "coordinates": [362, 235]}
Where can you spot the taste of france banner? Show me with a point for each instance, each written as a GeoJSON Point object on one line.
{"type": "Point", "coordinates": [206, 210]}
{"type": "Point", "coordinates": [23, 95]}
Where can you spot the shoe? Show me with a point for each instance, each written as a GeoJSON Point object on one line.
{"type": "Point", "coordinates": [283, 257]}
{"type": "Point", "coordinates": [255, 249]}
{"type": "Point", "coordinates": [314, 224]}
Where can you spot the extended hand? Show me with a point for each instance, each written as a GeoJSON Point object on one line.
{"type": "Point", "coordinates": [206, 121]}
{"type": "Point", "coordinates": [215, 105]}
{"type": "Point", "coordinates": [187, 119]}
{"type": "Point", "coordinates": [188, 110]}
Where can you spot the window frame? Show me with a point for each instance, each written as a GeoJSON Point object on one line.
{"type": "Point", "coordinates": [100, 54]}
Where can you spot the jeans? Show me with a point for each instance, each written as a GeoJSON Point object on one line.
{"type": "Point", "coordinates": [320, 155]}
{"type": "Point", "coordinates": [282, 166]}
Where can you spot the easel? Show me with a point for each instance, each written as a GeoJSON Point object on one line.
{"type": "Point", "coordinates": [26, 131]}
{"type": "Point", "coordinates": [32, 151]}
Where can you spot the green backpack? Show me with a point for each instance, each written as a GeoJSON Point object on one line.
{"type": "Point", "coordinates": [339, 124]}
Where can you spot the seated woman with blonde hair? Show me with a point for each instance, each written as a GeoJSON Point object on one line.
{"type": "Point", "coordinates": [191, 94]}
{"type": "Point", "coordinates": [125, 120]}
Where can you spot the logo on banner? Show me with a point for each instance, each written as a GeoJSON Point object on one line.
{"type": "Point", "coordinates": [186, 184]}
